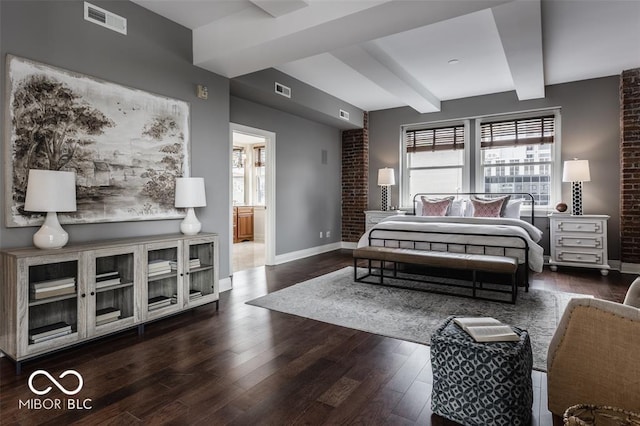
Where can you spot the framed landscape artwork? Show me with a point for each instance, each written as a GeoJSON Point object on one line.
{"type": "Point", "coordinates": [126, 146]}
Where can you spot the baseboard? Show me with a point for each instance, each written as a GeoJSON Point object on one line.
{"type": "Point", "coordinates": [349, 246]}
{"type": "Point", "coordinates": [225, 284]}
{"type": "Point", "coordinates": [630, 268]}
{"type": "Point", "coordinates": [301, 254]}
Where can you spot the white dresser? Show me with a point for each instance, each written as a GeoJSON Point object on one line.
{"type": "Point", "coordinates": [374, 216]}
{"type": "Point", "coordinates": [579, 241]}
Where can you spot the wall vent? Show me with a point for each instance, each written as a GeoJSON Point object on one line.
{"type": "Point", "coordinates": [344, 115]}
{"type": "Point", "coordinates": [104, 18]}
{"type": "Point", "coordinates": [283, 90]}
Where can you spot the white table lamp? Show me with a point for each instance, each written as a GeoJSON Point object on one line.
{"type": "Point", "coordinates": [386, 178]}
{"type": "Point", "coordinates": [50, 191]}
{"type": "Point", "coordinates": [189, 194]}
{"type": "Point", "coordinates": [576, 171]}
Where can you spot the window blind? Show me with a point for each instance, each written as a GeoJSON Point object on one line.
{"type": "Point", "coordinates": [527, 131]}
{"type": "Point", "coordinates": [260, 156]}
{"type": "Point", "coordinates": [435, 139]}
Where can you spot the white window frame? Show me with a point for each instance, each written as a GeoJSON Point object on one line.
{"type": "Point", "coordinates": [405, 200]}
{"type": "Point", "coordinates": [556, 161]}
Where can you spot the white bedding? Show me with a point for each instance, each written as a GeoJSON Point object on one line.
{"type": "Point", "coordinates": [500, 227]}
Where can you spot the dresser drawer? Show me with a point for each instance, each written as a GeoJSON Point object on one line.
{"type": "Point", "coordinates": [586, 226]}
{"type": "Point", "coordinates": [583, 241]}
{"type": "Point", "coordinates": [580, 257]}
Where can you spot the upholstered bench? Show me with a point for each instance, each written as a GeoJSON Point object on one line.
{"type": "Point", "coordinates": [439, 259]}
{"type": "Point", "coordinates": [479, 384]}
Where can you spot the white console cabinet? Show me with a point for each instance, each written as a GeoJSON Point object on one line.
{"type": "Point", "coordinates": [51, 299]}
{"type": "Point", "coordinates": [579, 241]}
{"type": "Point", "coordinates": [372, 217]}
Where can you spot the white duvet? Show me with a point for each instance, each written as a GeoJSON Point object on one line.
{"type": "Point", "coordinates": [497, 229]}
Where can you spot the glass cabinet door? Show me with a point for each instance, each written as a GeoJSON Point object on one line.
{"type": "Point", "coordinates": [162, 278]}
{"type": "Point", "coordinates": [53, 303]}
{"type": "Point", "coordinates": [200, 271]}
{"type": "Point", "coordinates": [114, 289]}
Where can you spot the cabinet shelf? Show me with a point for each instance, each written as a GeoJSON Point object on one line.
{"type": "Point", "coordinates": [114, 287]}
{"type": "Point", "coordinates": [163, 276]}
{"type": "Point", "coordinates": [201, 268]}
{"type": "Point", "coordinates": [52, 299]}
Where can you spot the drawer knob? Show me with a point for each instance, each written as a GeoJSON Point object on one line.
{"type": "Point", "coordinates": [579, 226]}
{"type": "Point", "coordinates": [578, 241]}
{"type": "Point", "coordinates": [579, 257]}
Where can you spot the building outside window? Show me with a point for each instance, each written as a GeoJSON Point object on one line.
{"type": "Point", "coordinates": [518, 154]}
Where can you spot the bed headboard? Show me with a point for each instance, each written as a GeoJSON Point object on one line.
{"type": "Point", "coordinates": [527, 197]}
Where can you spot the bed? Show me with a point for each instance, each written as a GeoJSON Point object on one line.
{"type": "Point", "coordinates": [459, 231]}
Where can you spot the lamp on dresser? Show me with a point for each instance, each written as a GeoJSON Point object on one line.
{"type": "Point", "coordinates": [576, 171]}
{"type": "Point", "coordinates": [386, 178]}
{"type": "Point", "coordinates": [50, 191]}
{"type": "Point", "coordinates": [189, 194]}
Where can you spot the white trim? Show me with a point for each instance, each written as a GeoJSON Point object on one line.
{"type": "Point", "coordinates": [270, 190]}
{"type": "Point", "coordinates": [301, 254]}
{"type": "Point", "coordinates": [225, 284]}
{"type": "Point", "coordinates": [630, 268]}
{"type": "Point", "coordinates": [349, 246]}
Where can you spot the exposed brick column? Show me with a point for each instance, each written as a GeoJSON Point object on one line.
{"type": "Point", "coordinates": [630, 166]}
{"type": "Point", "coordinates": [355, 180]}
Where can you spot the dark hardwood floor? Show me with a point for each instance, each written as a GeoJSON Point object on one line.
{"type": "Point", "coordinates": [247, 365]}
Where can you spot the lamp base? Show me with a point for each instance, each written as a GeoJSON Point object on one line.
{"type": "Point", "coordinates": [190, 225]}
{"type": "Point", "coordinates": [385, 199]}
{"type": "Point", "coordinates": [576, 203]}
{"type": "Point", "coordinates": [50, 235]}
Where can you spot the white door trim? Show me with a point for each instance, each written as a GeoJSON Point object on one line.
{"type": "Point", "coordinates": [270, 189]}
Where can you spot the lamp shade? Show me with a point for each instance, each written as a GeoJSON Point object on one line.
{"type": "Point", "coordinates": [386, 177]}
{"type": "Point", "coordinates": [190, 192]}
{"type": "Point", "coordinates": [51, 191]}
{"type": "Point", "coordinates": [576, 171]}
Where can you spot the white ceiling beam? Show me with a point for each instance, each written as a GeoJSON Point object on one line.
{"type": "Point", "coordinates": [384, 72]}
{"type": "Point", "coordinates": [519, 25]}
{"type": "Point", "coordinates": [251, 41]}
{"type": "Point", "coordinates": [277, 8]}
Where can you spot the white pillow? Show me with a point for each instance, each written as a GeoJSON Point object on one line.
{"type": "Point", "coordinates": [513, 209]}
{"type": "Point", "coordinates": [457, 208]}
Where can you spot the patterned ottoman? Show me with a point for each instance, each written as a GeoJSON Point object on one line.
{"type": "Point", "coordinates": [479, 384]}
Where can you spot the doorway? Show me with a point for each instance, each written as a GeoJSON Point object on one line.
{"type": "Point", "coordinates": [252, 216]}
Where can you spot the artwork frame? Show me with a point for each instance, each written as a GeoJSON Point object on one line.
{"type": "Point", "coordinates": [126, 145]}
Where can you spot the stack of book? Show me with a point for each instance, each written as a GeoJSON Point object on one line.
{"type": "Point", "coordinates": [50, 288]}
{"type": "Point", "coordinates": [106, 315]}
{"type": "Point", "coordinates": [159, 267]}
{"type": "Point", "coordinates": [48, 332]}
{"type": "Point", "coordinates": [107, 279]}
{"type": "Point", "coordinates": [159, 302]}
{"type": "Point", "coordinates": [194, 294]}
{"type": "Point", "coordinates": [194, 263]}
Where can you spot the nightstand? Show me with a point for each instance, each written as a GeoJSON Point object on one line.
{"type": "Point", "coordinates": [579, 241]}
{"type": "Point", "coordinates": [374, 216]}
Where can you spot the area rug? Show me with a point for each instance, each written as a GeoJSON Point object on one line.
{"type": "Point", "coordinates": [411, 315]}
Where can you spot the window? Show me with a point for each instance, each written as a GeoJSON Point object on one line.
{"type": "Point", "coordinates": [238, 161]}
{"type": "Point", "coordinates": [433, 160]}
{"type": "Point", "coordinates": [518, 156]}
{"type": "Point", "coordinates": [259, 154]}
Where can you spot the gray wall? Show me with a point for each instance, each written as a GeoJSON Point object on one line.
{"type": "Point", "coordinates": [590, 131]}
{"type": "Point", "coordinates": [155, 56]}
{"type": "Point", "coordinates": [307, 191]}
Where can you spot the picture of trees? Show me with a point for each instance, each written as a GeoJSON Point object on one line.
{"type": "Point", "coordinates": [125, 145]}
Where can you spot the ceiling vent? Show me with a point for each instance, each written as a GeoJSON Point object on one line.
{"type": "Point", "coordinates": [344, 115]}
{"type": "Point", "coordinates": [104, 18]}
{"type": "Point", "coordinates": [283, 90]}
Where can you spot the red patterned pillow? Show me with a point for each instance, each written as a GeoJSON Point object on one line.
{"type": "Point", "coordinates": [436, 207]}
{"type": "Point", "coordinates": [487, 208]}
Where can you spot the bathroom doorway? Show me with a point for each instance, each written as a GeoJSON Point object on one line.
{"type": "Point", "coordinates": [252, 193]}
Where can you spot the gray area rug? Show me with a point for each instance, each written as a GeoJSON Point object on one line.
{"type": "Point", "coordinates": [413, 315]}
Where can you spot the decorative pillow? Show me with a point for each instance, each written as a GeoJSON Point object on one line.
{"type": "Point", "coordinates": [487, 208]}
{"type": "Point", "coordinates": [505, 200]}
{"type": "Point", "coordinates": [457, 208]}
{"type": "Point", "coordinates": [436, 207]}
{"type": "Point", "coordinates": [513, 209]}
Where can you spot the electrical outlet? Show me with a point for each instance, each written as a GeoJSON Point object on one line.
{"type": "Point", "coordinates": [320, 234]}
{"type": "Point", "coordinates": [328, 234]}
